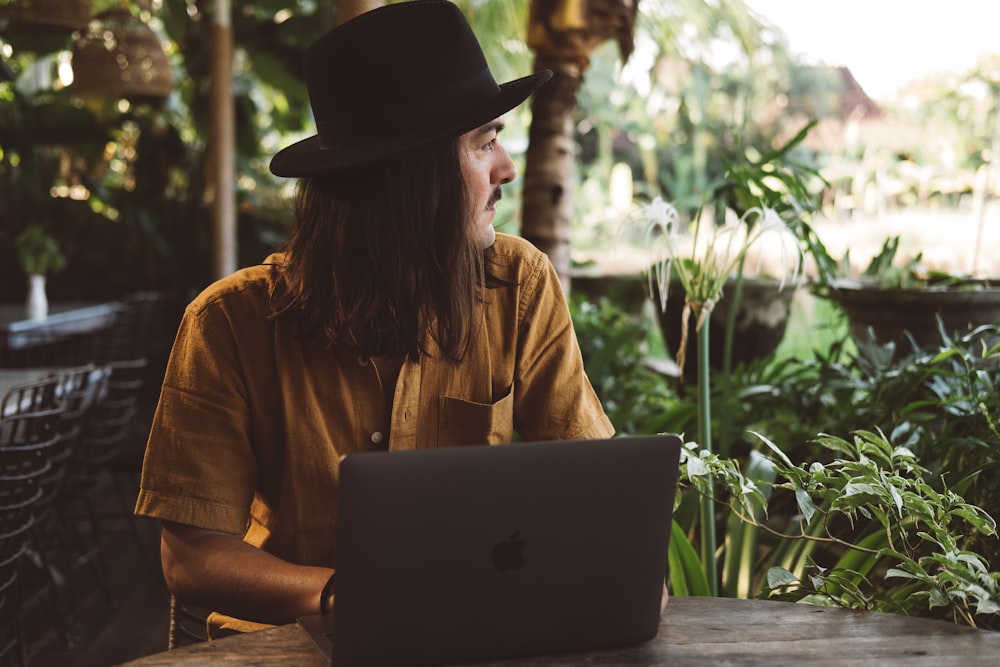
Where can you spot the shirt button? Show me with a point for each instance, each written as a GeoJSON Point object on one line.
{"type": "Point", "coordinates": [362, 361]}
{"type": "Point", "coordinates": [377, 437]}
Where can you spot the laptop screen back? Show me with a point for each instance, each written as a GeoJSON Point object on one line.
{"type": "Point", "coordinates": [486, 552]}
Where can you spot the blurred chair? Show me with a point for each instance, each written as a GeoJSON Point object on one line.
{"type": "Point", "coordinates": [92, 500]}
{"type": "Point", "coordinates": [47, 349]}
{"type": "Point", "coordinates": [54, 552]}
{"type": "Point", "coordinates": [135, 330]}
{"type": "Point", "coordinates": [126, 329]}
{"type": "Point", "coordinates": [188, 625]}
{"type": "Point", "coordinates": [15, 525]}
{"type": "Point", "coordinates": [29, 437]}
{"type": "Point", "coordinates": [11, 632]}
{"type": "Point", "coordinates": [125, 347]}
{"type": "Point", "coordinates": [78, 389]}
{"type": "Point", "coordinates": [27, 398]}
{"type": "Point", "coordinates": [136, 333]}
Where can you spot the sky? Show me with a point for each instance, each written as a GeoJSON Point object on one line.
{"type": "Point", "coordinates": [887, 43]}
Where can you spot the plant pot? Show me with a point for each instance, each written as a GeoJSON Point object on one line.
{"type": "Point", "coordinates": [626, 290]}
{"type": "Point", "coordinates": [891, 313]}
{"type": "Point", "coordinates": [759, 327]}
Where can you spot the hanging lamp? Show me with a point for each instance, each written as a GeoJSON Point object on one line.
{"type": "Point", "coordinates": [118, 57]}
{"type": "Point", "coordinates": [43, 17]}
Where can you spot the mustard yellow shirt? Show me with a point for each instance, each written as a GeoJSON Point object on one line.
{"type": "Point", "coordinates": [252, 421]}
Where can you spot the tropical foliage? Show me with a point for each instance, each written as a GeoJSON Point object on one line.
{"type": "Point", "coordinates": [124, 186]}
{"type": "Point", "coordinates": [860, 477]}
{"type": "Point", "coordinates": [39, 253]}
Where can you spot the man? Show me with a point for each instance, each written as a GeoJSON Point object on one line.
{"type": "Point", "coordinates": [394, 318]}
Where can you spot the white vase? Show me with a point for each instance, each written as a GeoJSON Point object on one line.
{"type": "Point", "coordinates": [38, 302]}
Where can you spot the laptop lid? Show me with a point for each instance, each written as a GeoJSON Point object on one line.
{"type": "Point", "coordinates": [486, 552]}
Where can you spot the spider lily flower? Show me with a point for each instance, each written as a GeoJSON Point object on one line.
{"type": "Point", "coordinates": [705, 262]}
{"type": "Point", "coordinates": [663, 239]}
{"type": "Point", "coordinates": [771, 225]}
{"type": "Point", "coordinates": [703, 265]}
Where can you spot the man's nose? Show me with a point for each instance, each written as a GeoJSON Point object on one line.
{"type": "Point", "coordinates": [506, 171]}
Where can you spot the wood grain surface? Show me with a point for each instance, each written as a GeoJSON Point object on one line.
{"type": "Point", "coordinates": [694, 631]}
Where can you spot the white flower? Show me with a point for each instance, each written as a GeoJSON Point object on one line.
{"type": "Point", "coordinates": [662, 227]}
{"type": "Point", "coordinates": [663, 215]}
{"type": "Point", "coordinates": [712, 260]}
{"type": "Point", "coordinates": [770, 224]}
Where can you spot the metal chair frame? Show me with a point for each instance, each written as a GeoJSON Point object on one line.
{"type": "Point", "coordinates": [29, 438]}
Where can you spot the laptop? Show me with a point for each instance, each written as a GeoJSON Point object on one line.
{"type": "Point", "coordinates": [489, 552]}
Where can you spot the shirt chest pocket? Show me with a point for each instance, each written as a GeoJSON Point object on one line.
{"type": "Point", "coordinates": [463, 422]}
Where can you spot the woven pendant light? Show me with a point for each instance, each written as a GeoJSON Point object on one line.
{"type": "Point", "coordinates": [119, 56]}
{"type": "Point", "coordinates": [43, 17]}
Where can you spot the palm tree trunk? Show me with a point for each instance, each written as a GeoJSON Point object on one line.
{"type": "Point", "coordinates": [563, 35]}
{"type": "Point", "coordinates": [550, 165]}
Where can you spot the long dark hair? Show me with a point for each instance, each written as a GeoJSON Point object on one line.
{"type": "Point", "coordinates": [383, 257]}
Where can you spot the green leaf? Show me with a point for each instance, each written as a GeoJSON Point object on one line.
{"type": "Point", "coordinates": [978, 518]}
{"type": "Point", "coordinates": [774, 448]}
{"type": "Point", "coordinates": [695, 466]}
{"type": "Point", "coordinates": [987, 606]}
{"type": "Point", "coordinates": [687, 577]}
{"type": "Point", "coordinates": [937, 598]}
{"type": "Point", "coordinates": [897, 499]}
{"type": "Point", "coordinates": [860, 560]}
{"type": "Point", "coordinates": [779, 576]}
{"type": "Point", "coordinates": [836, 444]}
{"type": "Point", "coordinates": [805, 504]}
{"type": "Point", "coordinates": [739, 562]}
{"type": "Point", "coordinates": [866, 489]}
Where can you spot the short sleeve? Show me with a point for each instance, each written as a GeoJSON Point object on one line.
{"type": "Point", "coordinates": [554, 396]}
{"type": "Point", "coordinates": [199, 467]}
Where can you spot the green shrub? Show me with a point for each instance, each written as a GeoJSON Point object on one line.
{"type": "Point", "coordinates": [870, 530]}
{"type": "Point", "coordinates": [857, 477]}
{"type": "Point", "coordinates": [613, 345]}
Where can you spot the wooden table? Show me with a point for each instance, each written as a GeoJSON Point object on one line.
{"type": "Point", "coordinates": [702, 632]}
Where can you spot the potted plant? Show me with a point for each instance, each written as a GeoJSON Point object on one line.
{"type": "Point", "coordinates": [909, 303]}
{"type": "Point", "coordinates": [759, 321]}
{"type": "Point", "coordinates": [702, 268]}
{"type": "Point", "coordinates": [748, 322]}
{"type": "Point", "coordinates": [39, 255]}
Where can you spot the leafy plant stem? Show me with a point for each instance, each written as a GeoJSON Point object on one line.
{"type": "Point", "coordinates": [705, 439]}
{"type": "Point", "coordinates": [725, 426]}
{"type": "Point", "coordinates": [753, 521]}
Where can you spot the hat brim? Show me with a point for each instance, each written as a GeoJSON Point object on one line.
{"type": "Point", "coordinates": [306, 157]}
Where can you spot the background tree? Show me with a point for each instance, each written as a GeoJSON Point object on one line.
{"type": "Point", "coordinates": [563, 35]}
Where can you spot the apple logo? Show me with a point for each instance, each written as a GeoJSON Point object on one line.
{"type": "Point", "coordinates": [508, 555]}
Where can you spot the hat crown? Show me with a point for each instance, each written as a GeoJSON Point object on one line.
{"type": "Point", "coordinates": [395, 68]}
{"type": "Point", "coordinates": [393, 79]}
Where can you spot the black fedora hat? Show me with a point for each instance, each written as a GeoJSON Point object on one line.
{"type": "Point", "coordinates": [395, 78]}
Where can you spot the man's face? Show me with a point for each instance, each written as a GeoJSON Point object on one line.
{"type": "Point", "coordinates": [485, 167]}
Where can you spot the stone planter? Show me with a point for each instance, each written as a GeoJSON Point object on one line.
{"type": "Point", "coordinates": [759, 327]}
{"type": "Point", "coordinates": [891, 313]}
{"type": "Point", "coordinates": [626, 290]}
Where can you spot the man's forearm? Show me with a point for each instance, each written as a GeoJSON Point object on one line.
{"type": "Point", "coordinates": [221, 572]}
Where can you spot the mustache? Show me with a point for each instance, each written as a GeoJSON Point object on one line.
{"type": "Point", "coordinates": [496, 196]}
